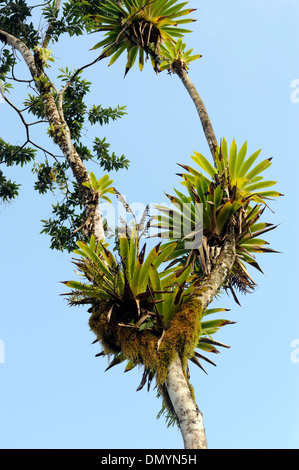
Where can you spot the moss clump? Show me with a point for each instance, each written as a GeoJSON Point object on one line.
{"type": "Point", "coordinates": [142, 347]}
{"type": "Point", "coordinates": [181, 337]}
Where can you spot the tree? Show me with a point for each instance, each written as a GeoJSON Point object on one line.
{"type": "Point", "coordinates": [64, 111]}
{"type": "Point", "coordinates": [139, 313]}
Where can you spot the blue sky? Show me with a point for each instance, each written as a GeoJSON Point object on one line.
{"type": "Point", "coordinates": [54, 393]}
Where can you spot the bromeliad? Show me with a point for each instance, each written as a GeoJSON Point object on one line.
{"type": "Point", "coordinates": [141, 313]}
{"type": "Point", "coordinates": [232, 191]}
{"type": "Point", "coordinates": [138, 28]}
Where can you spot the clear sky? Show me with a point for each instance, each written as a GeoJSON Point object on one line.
{"type": "Point", "coordinates": [54, 393]}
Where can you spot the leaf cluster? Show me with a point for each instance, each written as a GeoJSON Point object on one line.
{"type": "Point", "coordinates": [67, 217]}
{"type": "Point", "coordinates": [72, 18]}
{"type": "Point", "coordinates": [138, 28]}
{"type": "Point", "coordinates": [137, 296]}
{"type": "Point", "coordinates": [65, 224]}
{"type": "Point", "coordinates": [108, 161]}
{"type": "Point", "coordinates": [233, 191]}
{"type": "Point", "coordinates": [12, 155]}
{"type": "Point", "coordinates": [15, 18]}
{"type": "Point", "coordinates": [8, 189]}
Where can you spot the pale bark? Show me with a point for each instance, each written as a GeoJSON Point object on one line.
{"type": "Point", "coordinates": [201, 109]}
{"type": "Point", "coordinates": [220, 271]}
{"type": "Point", "coordinates": [62, 137]}
{"type": "Point", "coordinates": [189, 417]}
{"type": "Point", "coordinates": [23, 49]}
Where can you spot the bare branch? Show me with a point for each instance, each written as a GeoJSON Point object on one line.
{"type": "Point", "coordinates": [20, 115]}
{"type": "Point", "coordinates": [40, 5]}
{"type": "Point", "coordinates": [28, 140]}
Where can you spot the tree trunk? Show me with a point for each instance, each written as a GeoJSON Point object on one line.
{"type": "Point", "coordinates": [201, 109]}
{"type": "Point", "coordinates": [189, 417]}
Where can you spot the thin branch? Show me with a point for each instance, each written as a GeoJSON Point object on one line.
{"type": "Point", "coordinates": [28, 140]}
{"type": "Point", "coordinates": [37, 122]}
{"type": "Point", "coordinates": [40, 5]}
{"type": "Point", "coordinates": [201, 109]}
{"type": "Point", "coordinates": [20, 115]}
{"type": "Point", "coordinates": [79, 71]}
{"type": "Point", "coordinates": [44, 150]}
{"type": "Point", "coordinates": [13, 74]}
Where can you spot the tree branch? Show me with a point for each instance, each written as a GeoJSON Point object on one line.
{"type": "Point", "coordinates": [201, 109]}
{"type": "Point", "coordinates": [28, 140]}
{"type": "Point", "coordinates": [62, 137]}
{"type": "Point", "coordinates": [24, 51]}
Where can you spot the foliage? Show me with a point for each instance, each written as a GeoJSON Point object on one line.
{"type": "Point", "coordinates": [68, 217]}
{"type": "Point", "coordinates": [15, 19]}
{"type": "Point", "coordinates": [15, 154]}
{"type": "Point", "coordinates": [142, 311]}
{"type": "Point", "coordinates": [53, 175]}
{"type": "Point", "coordinates": [157, 308]}
{"type": "Point", "coordinates": [8, 189]}
{"type": "Point", "coordinates": [235, 192]}
{"type": "Point", "coordinates": [174, 55]}
{"type": "Point", "coordinates": [108, 161]}
{"type": "Point", "coordinates": [101, 186]}
{"type": "Point", "coordinates": [12, 155]}
{"type": "Point", "coordinates": [138, 28]}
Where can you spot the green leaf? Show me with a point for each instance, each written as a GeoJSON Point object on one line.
{"type": "Point", "coordinates": [224, 216]}
{"type": "Point", "coordinates": [259, 168]}
{"type": "Point", "coordinates": [94, 257]}
{"type": "Point", "coordinates": [133, 250]}
{"type": "Point", "coordinates": [248, 163]}
{"type": "Point", "coordinates": [152, 256]}
{"type": "Point", "coordinates": [210, 311]}
{"type": "Point", "coordinates": [204, 164]}
{"type": "Point", "coordinates": [156, 286]}
{"type": "Point", "coordinates": [118, 53]}
{"type": "Point", "coordinates": [240, 159]}
{"type": "Point", "coordinates": [213, 325]}
{"type": "Point", "coordinates": [232, 159]}
{"type": "Point", "coordinates": [224, 152]}
{"type": "Point", "coordinates": [125, 253]}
